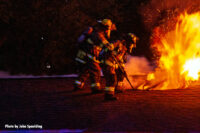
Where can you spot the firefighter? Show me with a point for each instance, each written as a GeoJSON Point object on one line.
{"type": "Point", "coordinates": [87, 57]}
{"type": "Point", "coordinates": [111, 70]}
{"type": "Point", "coordinates": [108, 67]}
{"type": "Point", "coordinates": [129, 42]}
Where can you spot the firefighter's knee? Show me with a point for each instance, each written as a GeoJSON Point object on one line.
{"type": "Point", "coordinates": [78, 84]}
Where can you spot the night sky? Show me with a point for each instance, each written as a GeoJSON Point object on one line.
{"type": "Point", "coordinates": [39, 36]}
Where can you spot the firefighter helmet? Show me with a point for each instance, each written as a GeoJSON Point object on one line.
{"type": "Point", "coordinates": [130, 40]}
{"type": "Point", "coordinates": [106, 23]}
{"type": "Point", "coordinates": [132, 37]}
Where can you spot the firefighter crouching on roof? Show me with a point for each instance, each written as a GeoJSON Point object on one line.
{"type": "Point", "coordinates": [108, 66]}
{"type": "Point", "coordinates": [112, 72]}
{"type": "Point", "coordinates": [88, 54]}
{"type": "Point", "coordinates": [129, 42]}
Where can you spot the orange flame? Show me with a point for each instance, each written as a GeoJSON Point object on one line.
{"type": "Point", "coordinates": [179, 61]}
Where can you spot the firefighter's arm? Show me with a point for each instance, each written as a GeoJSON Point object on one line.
{"type": "Point", "coordinates": [121, 61]}
{"type": "Point", "coordinates": [105, 43]}
{"type": "Point", "coordinates": [125, 58]}
{"type": "Point", "coordinates": [93, 58]}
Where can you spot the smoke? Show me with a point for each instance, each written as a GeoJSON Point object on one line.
{"type": "Point", "coordinates": [137, 66]}
{"type": "Point", "coordinates": [137, 69]}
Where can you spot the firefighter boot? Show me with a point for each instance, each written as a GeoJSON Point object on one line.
{"type": "Point", "coordinates": [118, 91]}
{"type": "Point", "coordinates": [78, 85]}
{"type": "Point", "coordinates": [110, 97]}
{"type": "Point", "coordinates": [96, 90]}
{"type": "Point", "coordinates": [76, 88]}
{"type": "Point", "coordinates": [95, 87]}
{"type": "Point", "coordinates": [119, 88]}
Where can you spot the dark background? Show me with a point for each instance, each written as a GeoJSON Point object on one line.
{"type": "Point", "coordinates": [35, 34]}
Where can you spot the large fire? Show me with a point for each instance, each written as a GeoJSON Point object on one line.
{"type": "Point", "coordinates": [192, 67]}
{"type": "Point", "coordinates": [179, 52]}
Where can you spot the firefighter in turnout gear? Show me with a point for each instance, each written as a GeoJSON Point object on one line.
{"type": "Point", "coordinates": [111, 59]}
{"type": "Point", "coordinates": [121, 58]}
{"type": "Point", "coordinates": [88, 54]}
{"type": "Point", "coordinates": [129, 42]}
{"type": "Point", "coordinates": [108, 66]}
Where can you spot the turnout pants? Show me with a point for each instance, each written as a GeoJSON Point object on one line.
{"type": "Point", "coordinates": [120, 79]}
{"type": "Point", "coordinates": [111, 79]}
{"type": "Point", "coordinates": [89, 70]}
